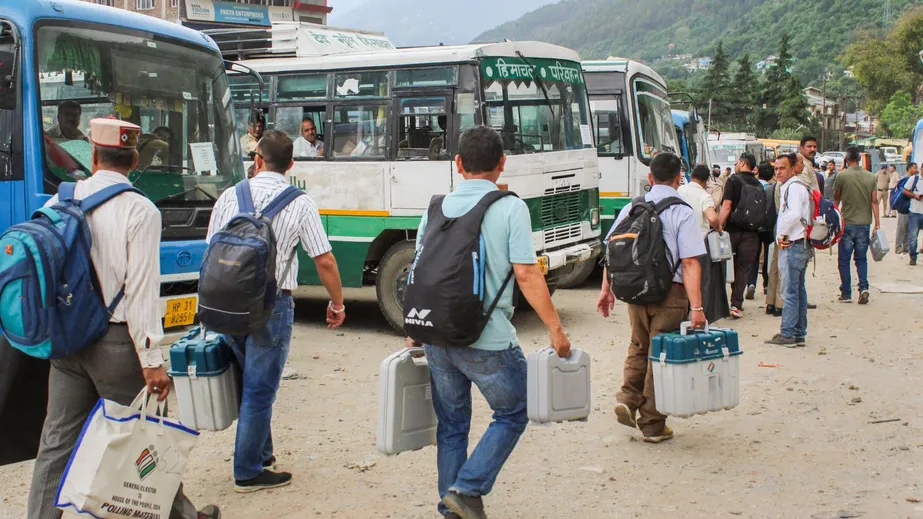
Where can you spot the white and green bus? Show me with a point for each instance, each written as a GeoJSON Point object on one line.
{"type": "Point", "coordinates": [390, 120]}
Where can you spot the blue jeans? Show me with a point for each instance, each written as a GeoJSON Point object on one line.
{"type": "Point", "coordinates": [854, 243]}
{"type": "Point", "coordinates": [793, 269]}
{"type": "Point", "coordinates": [262, 356]}
{"type": "Point", "coordinates": [501, 378]}
{"type": "Point", "coordinates": [914, 224]}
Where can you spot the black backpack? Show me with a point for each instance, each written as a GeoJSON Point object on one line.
{"type": "Point", "coordinates": [444, 298]}
{"type": "Point", "coordinates": [637, 258]}
{"type": "Point", "coordinates": [751, 208]}
{"type": "Point", "coordinates": [771, 215]}
{"type": "Point", "coordinates": [237, 281]}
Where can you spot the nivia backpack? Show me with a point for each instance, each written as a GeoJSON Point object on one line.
{"type": "Point", "coordinates": [444, 300]}
{"type": "Point", "coordinates": [238, 286]}
{"type": "Point", "coordinates": [750, 210]}
{"type": "Point", "coordinates": [638, 260]}
{"type": "Point", "coordinates": [52, 305]}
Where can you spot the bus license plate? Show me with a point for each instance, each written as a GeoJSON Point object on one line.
{"type": "Point", "coordinates": [543, 264]}
{"type": "Point", "coordinates": [180, 312]}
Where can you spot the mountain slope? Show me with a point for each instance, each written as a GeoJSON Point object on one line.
{"type": "Point", "coordinates": [430, 22]}
{"type": "Point", "coordinates": [819, 29]}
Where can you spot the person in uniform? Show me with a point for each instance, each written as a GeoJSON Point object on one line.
{"type": "Point", "coordinates": [124, 231]}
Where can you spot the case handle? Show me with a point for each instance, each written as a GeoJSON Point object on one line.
{"type": "Point", "coordinates": [684, 327]}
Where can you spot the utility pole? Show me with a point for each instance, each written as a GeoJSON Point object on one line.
{"type": "Point", "coordinates": [823, 118]}
{"type": "Point", "coordinates": [887, 20]}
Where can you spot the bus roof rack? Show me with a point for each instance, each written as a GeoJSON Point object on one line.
{"type": "Point", "coordinates": [295, 39]}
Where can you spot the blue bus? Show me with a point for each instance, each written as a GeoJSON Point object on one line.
{"type": "Point", "coordinates": [64, 62]}
{"type": "Point", "coordinates": [692, 139]}
{"type": "Point", "coordinates": [916, 143]}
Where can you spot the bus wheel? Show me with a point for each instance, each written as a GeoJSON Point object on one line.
{"type": "Point", "coordinates": [577, 274]}
{"type": "Point", "coordinates": [392, 281]}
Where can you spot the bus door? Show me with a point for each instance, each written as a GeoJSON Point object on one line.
{"type": "Point", "coordinates": [12, 166]}
{"type": "Point", "coordinates": [424, 142]}
{"type": "Point", "coordinates": [613, 138]}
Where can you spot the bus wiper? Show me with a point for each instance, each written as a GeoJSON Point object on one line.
{"type": "Point", "coordinates": [174, 195]}
{"type": "Point", "coordinates": [538, 81]}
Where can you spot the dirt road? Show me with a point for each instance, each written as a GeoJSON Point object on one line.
{"type": "Point", "coordinates": [800, 443]}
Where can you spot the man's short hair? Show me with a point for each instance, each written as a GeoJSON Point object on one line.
{"type": "Point", "coordinates": [911, 165]}
{"type": "Point", "coordinates": [765, 171]}
{"type": "Point", "coordinates": [276, 149]}
{"type": "Point", "coordinates": [257, 116]}
{"type": "Point", "coordinates": [480, 149]}
{"type": "Point", "coordinates": [163, 130]}
{"type": "Point", "coordinates": [665, 167]}
{"type": "Point", "coordinates": [852, 154]}
{"type": "Point", "coordinates": [116, 158]}
{"type": "Point", "coordinates": [701, 172]}
{"type": "Point", "coordinates": [310, 120]}
{"type": "Point", "coordinates": [70, 104]}
{"type": "Point", "coordinates": [790, 157]}
{"type": "Point", "coordinates": [749, 159]}
{"type": "Point", "coordinates": [806, 139]}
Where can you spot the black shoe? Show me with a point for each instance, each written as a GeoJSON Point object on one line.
{"type": "Point", "coordinates": [209, 512]}
{"type": "Point", "coordinates": [270, 463]}
{"type": "Point", "coordinates": [913, 262]}
{"type": "Point", "coordinates": [777, 312]}
{"type": "Point", "coordinates": [452, 515]}
{"type": "Point", "coordinates": [781, 340]}
{"type": "Point", "coordinates": [770, 309]}
{"type": "Point", "coordinates": [812, 307]}
{"type": "Point", "coordinates": [466, 507]}
{"type": "Point", "coordinates": [268, 479]}
{"type": "Point", "coordinates": [844, 299]}
{"type": "Point", "coordinates": [801, 342]}
{"type": "Point", "coordinates": [864, 297]}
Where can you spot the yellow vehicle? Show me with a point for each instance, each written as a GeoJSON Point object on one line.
{"type": "Point", "coordinates": [774, 147]}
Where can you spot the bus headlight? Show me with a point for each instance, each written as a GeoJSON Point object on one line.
{"type": "Point", "coordinates": [594, 217]}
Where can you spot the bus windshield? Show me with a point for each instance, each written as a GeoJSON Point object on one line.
{"type": "Point", "coordinates": [537, 105]}
{"type": "Point", "coordinates": [178, 94]}
{"type": "Point", "coordinates": [654, 120]}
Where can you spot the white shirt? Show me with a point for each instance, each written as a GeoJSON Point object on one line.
{"type": "Point", "coordinates": [126, 251]}
{"type": "Point", "coordinates": [696, 196]}
{"type": "Point", "coordinates": [298, 221]}
{"type": "Point", "coordinates": [302, 148]}
{"type": "Point", "coordinates": [916, 206]}
{"type": "Point", "coordinates": [794, 209]}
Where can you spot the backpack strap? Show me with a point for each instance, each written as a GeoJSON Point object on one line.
{"type": "Point", "coordinates": [244, 198]}
{"type": "Point", "coordinates": [482, 206]}
{"type": "Point", "coordinates": [277, 204]}
{"type": "Point", "coordinates": [669, 201]}
{"type": "Point", "coordinates": [66, 191]}
{"type": "Point", "coordinates": [104, 195]}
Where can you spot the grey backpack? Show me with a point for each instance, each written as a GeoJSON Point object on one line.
{"type": "Point", "coordinates": [237, 282]}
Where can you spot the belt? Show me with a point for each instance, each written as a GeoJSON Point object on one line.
{"type": "Point", "coordinates": [285, 293]}
{"type": "Point", "coordinates": [799, 240]}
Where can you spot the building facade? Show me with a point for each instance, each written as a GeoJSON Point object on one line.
{"type": "Point", "coordinates": [226, 14]}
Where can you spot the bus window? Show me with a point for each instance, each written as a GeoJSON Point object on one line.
{"type": "Point", "coordinates": [422, 128]}
{"type": "Point", "coordinates": [11, 157]}
{"type": "Point", "coordinates": [655, 122]}
{"type": "Point", "coordinates": [609, 134]}
{"type": "Point", "coordinates": [302, 87]}
{"type": "Point", "coordinates": [360, 132]}
{"type": "Point", "coordinates": [427, 77]}
{"type": "Point", "coordinates": [305, 126]}
{"type": "Point", "coordinates": [361, 85]}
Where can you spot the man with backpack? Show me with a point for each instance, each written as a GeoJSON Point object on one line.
{"type": "Point", "coordinates": [795, 252]}
{"type": "Point", "coordinates": [659, 285]}
{"type": "Point", "coordinates": [913, 189]}
{"type": "Point", "coordinates": [742, 213]}
{"type": "Point", "coordinates": [262, 352]}
{"type": "Point", "coordinates": [765, 173]}
{"type": "Point", "coordinates": [475, 236]}
{"type": "Point", "coordinates": [125, 230]}
{"type": "Point", "coordinates": [855, 191]}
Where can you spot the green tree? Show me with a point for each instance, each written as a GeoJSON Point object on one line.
{"type": "Point", "coordinates": [746, 91]}
{"type": "Point", "coordinates": [716, 87]}
{"type": "Point", "coordinates": [900, 116]}
{"type": "Point", "coordinates": [794, 110]}
{"type": "Point", "coordinates": [778, 93]}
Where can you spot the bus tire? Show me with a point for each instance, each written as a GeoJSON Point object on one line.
{"type": "Point", "coordinates": [392, 280]}
{"type": "Point", "coordinates": [577, 274]}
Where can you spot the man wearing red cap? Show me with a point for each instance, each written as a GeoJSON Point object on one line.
{"type": "Point", "coordinates": [125, 235]}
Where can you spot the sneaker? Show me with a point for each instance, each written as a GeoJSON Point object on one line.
{"type": "Point", "coordinates": [801, 342]}
{"type": "Point", "coordinates": [268, 479]}
{"type": "Point", "coordinates": [844, 299]}
{"type": "Point", "coordinates": [736, 313]}
{"type": "Point", "coordinates": [625, 416]}
{"type": "Point", "coordinates": [751, 292]}
{"type": "Point", "coordinates": [209, 512]}
{"type": "Point", "coordinates": [664, 436]}
{"type": "Point", "coordinates": [467, 507]}
{"type": "Point", "coordinates": [270, 463]}
{"type": "Point", "coordinates": [913, 262]}
{"type": "Point", "coordinates": [781, 340]}
{"type": "Point", "coordinates": [864, 297]}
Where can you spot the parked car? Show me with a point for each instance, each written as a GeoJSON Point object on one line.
{"type": "Point", "coordinates": [835, 156]}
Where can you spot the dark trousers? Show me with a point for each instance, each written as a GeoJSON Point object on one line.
{"type": "Point", "coordinates": [766, 239]}
{"type": "Point", "coordinates": [746, 247]}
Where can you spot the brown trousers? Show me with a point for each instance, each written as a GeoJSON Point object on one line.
{"type": "Point", "coordinates": [774, 290]}
{"type": "Point", "coordinates": [638, 380]}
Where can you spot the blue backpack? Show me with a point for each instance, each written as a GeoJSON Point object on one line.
{"type": "Point", "coordinates": [899, 201]}
{"type": "Point", "coordinates": [51, 304]}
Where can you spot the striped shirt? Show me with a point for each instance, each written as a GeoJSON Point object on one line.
{"type": "Point", "coordinates": [299, 221]}
{"type": "Point", "coordinates": [126, 244]}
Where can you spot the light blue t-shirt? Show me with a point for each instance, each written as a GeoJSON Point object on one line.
{"type": "Point", "coordinates": [507, 231]}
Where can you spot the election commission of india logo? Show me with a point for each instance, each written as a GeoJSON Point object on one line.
{"type": "Point", "coordinates": [146, 462]}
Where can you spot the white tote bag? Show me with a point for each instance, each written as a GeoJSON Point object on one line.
{"type": "Point", "coordinates": [127, 462]}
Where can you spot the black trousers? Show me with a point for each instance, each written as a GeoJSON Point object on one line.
{"type": "Point", "coordinates": [746, 247]}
